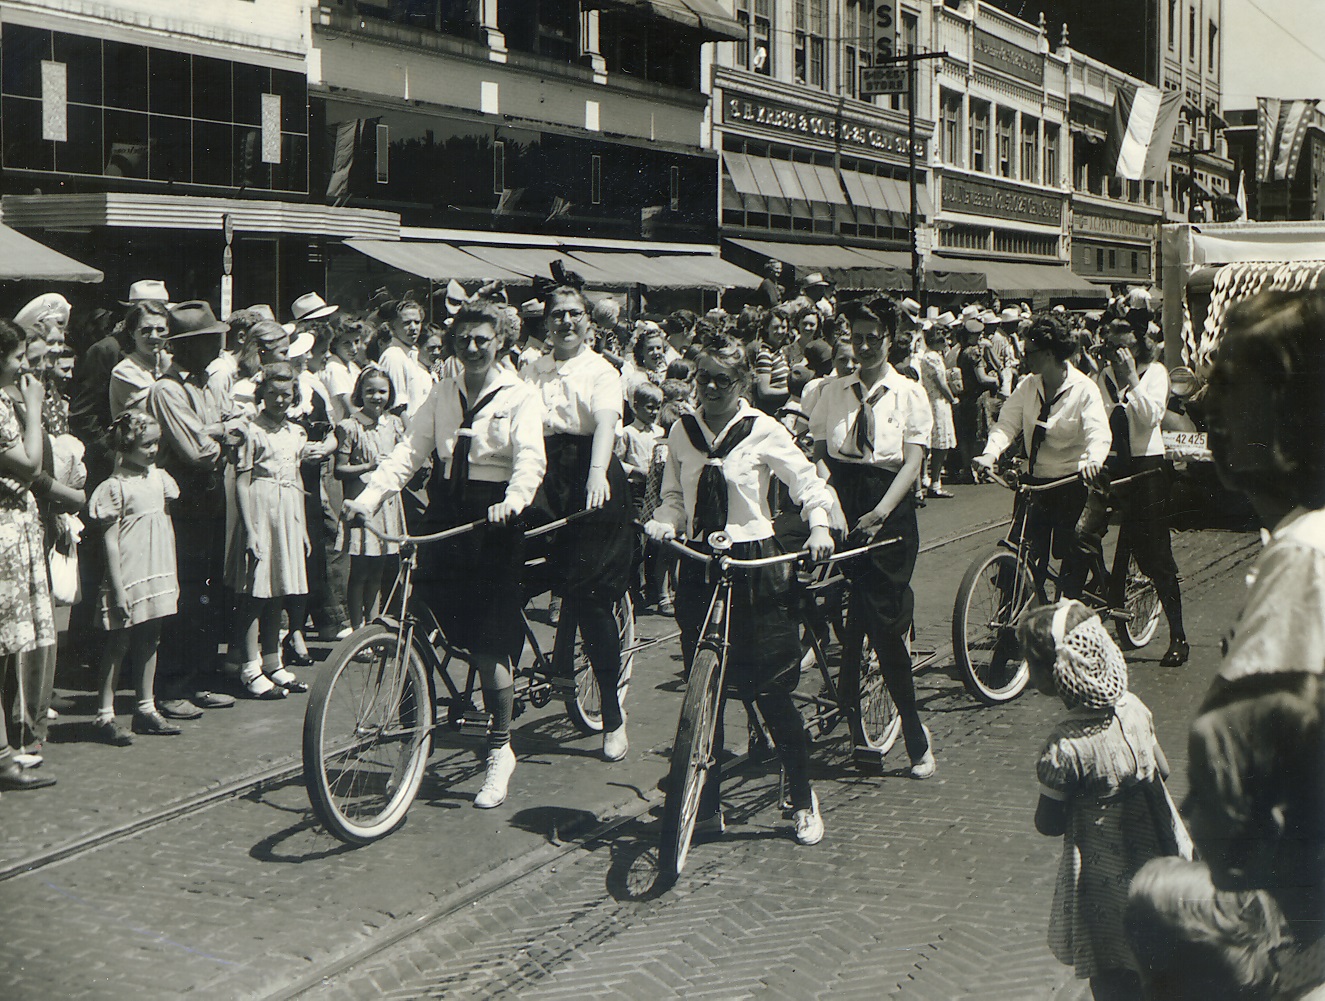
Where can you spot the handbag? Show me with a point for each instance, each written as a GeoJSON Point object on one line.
{"type": "Point", "coordinates": [63, 562]}
{"type": "Point", "coordinates": [955, 381]}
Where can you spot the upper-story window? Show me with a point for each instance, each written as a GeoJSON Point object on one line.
{"type": "Point", "coordinates": [1173, 23]}
{"type": "Point", "coordinates": [950, 128]}
{"type": "Point", "coordinates": [980, 136]}
{"type": "Point", "coordinates": [548, 28]}
{"type": "Point", "coordinates": [1213, 46]}
{"type": "Point", "coordinates": [1030, 149]}
{"type": "Point", "coordinates": [757, 54]}
{"type": "Point", "coordinates": [1051, 155]}
{"type": "Point", "coordinates": [811, 41]}
{"type": "Point", "coordinates": [1191, 35]}
{"type": "Point", "coordinates": [1006, 123]}
{"type": "Point", "coordinates": [906, 42]}
{"type": "Point", "coordinates": [449, 17]}
{"type": "Point", "coordinates": [857, 42]}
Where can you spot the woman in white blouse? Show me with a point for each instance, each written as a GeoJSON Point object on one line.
{"type": "Point", "coordinates": [131, 379]}
{"type": "Point", "coordinates": [746, 447]}
{"type": "Point", "coordinates": [871, 428]}
{"type": "Point", "coordinates": [1135, 389]}
{"type": "Point", "coordinates": [592, 557]}
{"type": "Point", "coordinates": [486, 430]}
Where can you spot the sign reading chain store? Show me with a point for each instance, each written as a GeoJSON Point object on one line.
{"type": "Point", "coordinates": [979, 198]}
{"type": "Point", "coordinates": [1000, 54]}
{"type": "Point", "coordinates": [830, 128]}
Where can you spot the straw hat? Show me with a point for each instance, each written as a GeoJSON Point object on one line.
{"type": "Point", "coordinates": [147, 290]}
{"type": "Point", "coordinates": [302, 344]}
{"type": "Point", "coordinates": [1010, 314]}
{"type": "Point", "coordinates": [945, 319]}
{"type": "Point", "coordinates": [812, 279]}
{"type": "Point", "coordinates": [311, 306]}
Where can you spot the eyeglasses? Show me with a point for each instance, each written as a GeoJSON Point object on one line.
{"type": "Point", "coordinates": [565, 315]}
{"type": "Point", "coordinates": [717, 379]}
{"type": "Point", "coordinates": [479, 341]}
{"type": "Point", "coordinates": [870, 336]}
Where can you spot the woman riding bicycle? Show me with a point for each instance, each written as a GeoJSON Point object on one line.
{"type": "Point", "coordinates": [1060, 415]}
{"type": "Point", "coordinates": [719, 464]}
{"type": "Point", "coordinates": [486, 428]}
{"type": "Point", "coordinates": [872, 428]}
{"type": "Point", "coordinates": [592, 558]}
{"type": "Point", "coordinates": [1136, 388]}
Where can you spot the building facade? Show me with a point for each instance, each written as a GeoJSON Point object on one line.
{"type": "Point", "coordinates": [138, 134]}
{"type": "Point", "coordinates": [1298, 197]}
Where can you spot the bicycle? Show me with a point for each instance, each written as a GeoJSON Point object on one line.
{"type": "Point", "coordinates": [999, 586]}
{"type": "Point", "coordinates": [866, 702]}
{"type": "Point", "coordinates": [373, 710]}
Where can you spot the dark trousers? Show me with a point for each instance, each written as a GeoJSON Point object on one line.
{"type": "Point", "coordinates": [787, 729]}
{"type": "Point", "coordinates": [1145, 532]}
{"type": "Point", "coordinates": [966, 420]}
{"type": "Point", "coordinates": [189, 639]}
{"type": "Point", "coordinates": [1051, 529]}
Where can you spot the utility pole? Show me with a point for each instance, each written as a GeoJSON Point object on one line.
{"type": "Point", "coordinates": [910, 60]}
{"type": "Point", "coordinates": [1191, 153]}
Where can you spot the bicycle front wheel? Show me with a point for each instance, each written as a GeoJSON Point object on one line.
{"type": "Point", "coordinates": [692, 755]}
{"type": "Point", "coordinates": [1141, 603]}
{"type": "Point", "coordinates": [990, 600]}
{"type": "Point", "coordinates": [367, 735]}
{"type": "Point", "coordinates": [879, 721]}
{"type": "Point", "coordinates": [585, 707]}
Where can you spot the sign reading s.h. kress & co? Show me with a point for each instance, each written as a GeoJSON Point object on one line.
{"type": "Point", "coordinates": [792, 121]}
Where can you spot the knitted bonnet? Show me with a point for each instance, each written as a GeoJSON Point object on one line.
{"type": "Point", "coordinates": [1089, 669]}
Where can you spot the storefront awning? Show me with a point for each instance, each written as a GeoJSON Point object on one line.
{"type": "Point", "coordinates": [706, 16]}
{"type": "Point", "coordinates": [23, 258]}
{"type": "Point", "coordinates": [437, 262]}
{"type": "Point", "coordinates": [1017, 280]}
{"type": "Point", "coordinates": [845, 267]}
{"type": "Point", "coordinates": [670, 270]}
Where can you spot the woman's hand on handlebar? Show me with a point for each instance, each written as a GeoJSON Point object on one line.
{"type": "Point", "coordinates": [502, 512]}
{"type": "Point", "coordinates": [820, 544]}
{"type": "Point", "coordinates": [982, 468]}
{"type": "Point", "coordinates": [659, 531]}
{"type": "Point", "coordinates": [596, 490]}
{"type": "Point", "coordinates": [354, 513]}
{"type": "Point", "coordinates": [1090, 473]}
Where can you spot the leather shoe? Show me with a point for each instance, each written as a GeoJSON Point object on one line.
{"type": "Point", "coordinates": [178, 709]}
{"type": "Point", "coordinates": [154, 725]}
{"type": "Point", "coordinates": [292, 657]}
{"type": "Point", "coordinates": [212, 700]}
{"type": "Point", "coordinates": [1177, 653]}
{"type": "Point", "coordinates": [14, 776]}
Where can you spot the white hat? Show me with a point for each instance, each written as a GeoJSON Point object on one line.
{"type": "Point", "coordinates": [970, 310]}
{"type": "Point", "coordinates": [264, 311]}
{"type": "Point", "coordinates": [813, 278]}
{"type": "Point", "coordinates": [1010, 314]}
{"type": "Point", "coordinates": [911, 306]}
{"type": "Point", "coordinates": [931, 312]}
{"type": "Point", "coordinates": [311, 306]}
{"type": "Point", "coordinates": [50, 304]}
{"type": "Point", "coordinates": [974, 324]}
{"type": "Point", "coordinates": [946, 319]}
{"type": "Point", "coordinates": [456, 297]}
{"type": "Point", "coordinates": [1060, 308]}
{"type": "Point", "coordinates": [531, 308]}
{"type": "Point", "coordinates": [147, 290]}
{"type": "Point", "coordinates": [302, 344]}
{"type": "Point", "coordinates": [289, 328]}
{"type": "Point", "coordinates": [988, 317]}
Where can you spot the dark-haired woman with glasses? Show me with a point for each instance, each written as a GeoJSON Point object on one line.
{"type": "Point", "coordinates": [871, 428]}
{"type": "Point", "coordinates": [592, 557]}
{"type": "Point", "coordinates": [485, 427]}
{"type": "Point", "coordinates": [746, 448]}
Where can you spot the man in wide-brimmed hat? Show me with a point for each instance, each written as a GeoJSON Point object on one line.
{"type": "Point", "coordinates": [147, 290]}
{"type": "Point", "coordinates": [190, 416]}
{"type": "Point", "coordinates": [311, 306]}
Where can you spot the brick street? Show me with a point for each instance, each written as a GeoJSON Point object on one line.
{"type": "Point", "coordinates": [936, 889]}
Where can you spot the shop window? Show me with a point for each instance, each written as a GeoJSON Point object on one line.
{"type": "Point", "coordinates": [498, 167]}
{"type": "Point", "coordinates": [1006, 122]}
{"type": "Point", "coordinates": [1113, 259]}
{"type": "Point", "coordinates": [170, 83]}
{"type": "Point", "coordinates": [950, 134]}
{"type": "Point", "coordinates": [979, 136]}
{"type": "Point", "coordinates": [24, 50]}
{"type": "Point", "coordinates": [757, 53]}
{"type": "Point", "coordinates": [1008, 242]}
{"type": "Point", "coordinates": [1099, 259]}
{"type": "Point", "coordinates": [125, 76]}
{"type": "Point", "coordinates": [382, 158]}
{"type": "Point", "coordinates": [674, 189]}
{"type": "Point", "coordinates": [1136, 262]}
{"type": "Point", "coordinates": [1030, 149]}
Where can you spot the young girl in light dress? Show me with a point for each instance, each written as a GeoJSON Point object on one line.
{"type": "Point", "coordinates": [1101, 775]}
{"type": "Point", "coordinates": [365, 439]}
{"type": "Point", "coordinates": [140, 587]}
{"type": "Point", "coordinates": [266, 561]}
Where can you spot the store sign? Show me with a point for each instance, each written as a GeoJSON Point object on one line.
{"type": "Point", "coordinates": [1098, 225]}
{"type": "Point", "coordinates": [790, 121]}
{"type": "Point", "coordinates": [1002, 55]}
{"type": "Point", "coordinates": [979, 198]}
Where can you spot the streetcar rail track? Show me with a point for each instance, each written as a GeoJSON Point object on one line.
{"type": "Point", "coordinates": [291, 768]}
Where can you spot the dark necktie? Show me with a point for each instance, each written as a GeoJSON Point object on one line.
{"type": "Point", "coordinates": [711, 495]}
{"type": "Point", "coordinates": [1042, 427]}
{"type": "Point", "coordinates": [464, 436]}
{"type": "Point", "coordinates": [1118, 426]}
{"type": "Point", "coordinates": [864, 420]}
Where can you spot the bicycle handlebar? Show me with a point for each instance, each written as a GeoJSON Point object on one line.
{"type": "Point", "coordinates": [451, 533]}
{"type": "Point", "coordinates": [768, 561]}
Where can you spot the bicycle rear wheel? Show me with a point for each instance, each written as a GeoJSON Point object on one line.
{"type": "Point", "coordinates": [692, 755]}
{"type": "Point", "coordinates": [585, 707]}
{"type": "Point", "coordinates": [984, 627]}
{"type": "Point", "coordinates": [367, 735]}
{"type": "Point", "coordinates": [879, 721]}
{"type": "Point", "coordinates": [1141, 603]}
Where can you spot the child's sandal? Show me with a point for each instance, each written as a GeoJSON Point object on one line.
{"type": "Point", "coordinates": [257, 684]}
{"type": "Point", "coordinates": [284, 677]}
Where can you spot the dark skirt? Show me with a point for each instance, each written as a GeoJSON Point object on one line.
{"type": "Point", "coordinates": [882, 579]}
{"type": "Point", "coordinates": [591, 557]}
{"type": "Point", "coordinates": [473, 583]}
{"type": "Point", "coordinates": [762, 624]}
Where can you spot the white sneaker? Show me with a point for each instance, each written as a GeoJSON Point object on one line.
{"type": "Point", "coordinates": [27, 759]}
{"type": "Point", "coordinates": [51, 713]}
{"type": "Point", "coordinates": [501, 763]}
{"type": "Point", "coordinates": [809, 825]}
{"type": "Point", "coordinates": [344, 633]}
{"type": "Point", "coordinates": [926, 766]}
{"type": "Point", "coordinates": [615, 744]}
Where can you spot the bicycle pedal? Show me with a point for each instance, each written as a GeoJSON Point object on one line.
{"type": "Point", "coordinates": [475, 720]}
{"type": "Point", "coordinates": [562, 684]}
{"type": "Point", "coordinates": [867, 759]}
